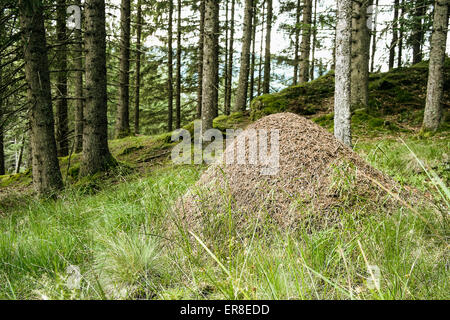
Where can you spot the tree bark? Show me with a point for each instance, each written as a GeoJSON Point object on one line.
{"type": "Point", "coordinates": [216, 60]}
{"type": "Point", "coordinates": [46, 173]}
{"type": "Point", "coordinates": [253, 55]}
{"type": "Point", "coordinates": [314, 34]}
{"type": "Point", "coordinates": [433, 106]}
{"type": "Point", "coordinates": [62, 127]}
{"type": "Point", "coordinates": [170, 68]}
{"type": "Point", "coordinates": [297, 42]}
{"type": "Point", "coordinates": [360, 54]}
{"type": "Point", "coordinates": [305, 46]}
{"type": "Point", "coordinates": [267, 60]}
{"type": "Point", "coordinates": [178, 81]}
{"type": "Point", "coordinates": [342, 100]}
{"type": "Point", "coordinates": [79, 92]}
{"type": "Point", "coordinates": [417, 32]}
{"type": "Point", "coordinates": [394, 36]}
{"type": "Point", "coordinates": [400, 43]}
{"type": "Point", "coordinates": [374, 38]}
{"type": "Point", "coordinates": [230, 61]}
{"type": "Point", "coordinates": [209, 71]}
{"type": "Point", "coordinates": [137, 92]}
{"type": "Point", "coordinates": [260, 85]}
{"type": "Point", "coordinates": [123, 110]}
{"type": "Point", "coordinates": [96, 155]}
{"type": "Point", "coordinates": [240, 102]}
{"type": "Point", "coordinates": [200, 59]}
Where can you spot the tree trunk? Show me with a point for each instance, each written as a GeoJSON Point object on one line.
{"type": "Point", "coordinates": [394, 36]}
{"type": "Point", "coordinates": [2, 147]}
{"type": "Point", "coordinates": [267, 60]}
{"type": "Point", "coordinates": [225, 68]}
{"type": "Point", "coordinates": [62, 127]}
{"type": "Point", "coordinates": [342, 100]}
{"type": "Point", "coordinates": [374, 38]}
{"type": "Point", "coordinates": [400, 43]}
{"type": "Point", "coordinates": [241, 95]}
{"type": "Point", "coordinates": [200, 59]}
{"type": "Point", "coordinates": [79, 92]}
{"type": "Point", "coordinates": [216, 60]}
{"type": "Point", "coordinates": [253, 60]}
{"type": "Point", "coordinates": [433, 105]}
{"type": "Point", "coordinates": [297, 41]}
{"type": "Point", "coordinates": [170, 67]}
{"type": "Point", "coordinates": [138, 67]}
{"type": "Point", "coordinates": [261, 49]}
{"type": "Point", "coordinates": [209, 71]}
{"type": "Point", "coordinates": [20, 157]}
{"type": "Point", "coordinates": [96, 155]}
{"type": "Point", "coordinates": [46, 173]}
{"type": "Point", "coordinates": [305, 46]}
{"type": "Point", "coordinates": [360, 55]}
{"type": "Point", "coordinates": [314, 33]}
{"type": "Point", "coordinates": [417, 32]}
{"type": "Point", "coordinates": [230, 61]}
{"type": "Point", "coordinates": [178, 83]}
{"type": "Point", "coordinates": [123, 108]}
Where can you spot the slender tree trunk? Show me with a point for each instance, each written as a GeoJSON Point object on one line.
{"type": "Point", "coordinates": [267, 60]}
{"type": "Point", "coordinates": [314, 33]}
{"type": "Point", "coordinates": [417, 32]}
{"type": "Point", "coordinates": [253, 60]}
{"type": "Point", "coordinates": [178, 83]}
{"type": "Point", "coordinates": [261, 49]}
{"type": "Point", "coordinates": [123, 110]}
{"type": "Point", "coordinates": [230, 61]}
{"type": "Point", "coordinates": [62, 127]}
{"type": "Point", "coordinates": [394, 36]}
{"type": "Point", "coordinates": [225, 68]}
{"type": "Point", "coordinates": [200, 59]}
{"type": "Point", "coordinates": [46, 174]}
{"type": "Point", "coordinates": [342, 100]}
{"type": "Point", "coordinates": [241, 95]}
{"type": "Point", "coordinates": [2, 147]}
{"type": "Point", "coordinates": [96, 155]}
{"type": "Point", "coordinates": [360, 54]}
{"type": "Point", "coordinates": [433, 107]}
{"type": "Point", "coordinates": [297, 41]}
{"type": "Point", "coordinates": [305, 46]}
{"type": "Point", "coordinates": [374, 38]}
{"type": "Point", "coordinates": [20, 157]}
{"type": "Point", "coordinates": [216, 59]}
{"type": "Point", "coordinates": [400, 43]}
{"type": "Point", "coordinates": [79, 92]}
{"type": "Point", "coordinates": [170, 67]}
{"type": "Point", "coordinates": [209, 71]}
{"type": "Point", "coordinates": [137, 91]}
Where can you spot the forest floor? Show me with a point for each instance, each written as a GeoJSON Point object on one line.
{"type": "Point", "coordinates": [107, 236]}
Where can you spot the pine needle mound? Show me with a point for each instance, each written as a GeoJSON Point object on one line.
{"type": "Point", "coordinates": [319, 178]}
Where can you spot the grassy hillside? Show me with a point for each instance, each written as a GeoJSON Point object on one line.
{"type": "Point", "coordinates": [115, 228]}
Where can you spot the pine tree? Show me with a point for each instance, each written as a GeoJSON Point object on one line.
{"type": "Point", "coordinates": [96, 155]}
{"type": "Point", "coordinates": [46, 173]}
{"type": "Point", "coordinates": [123, 108]}
{"type": "Point", "coordinates": [267, 60]}
{"type": "Point", "coordinates": [62, 126]}
{"type": "Point", "coordinates": [209, 59]}
{"type": "Point", "coordinates": [241, 95]}
{"type": "Point", "coordinates": [170, 68]}
{"type": "Point", "coordinates": [79, 108]}
{"type": "Point", "coordinates": [342, 100]}
{"type": "Point", "coordinates": [305, 46]}
{"type": "Point", "coordinates": [435, 88]}
{"type": "Point", "coordinates": [137, 91]}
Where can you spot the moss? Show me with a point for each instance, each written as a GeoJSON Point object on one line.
{"type": "Point", "coordinates": [232, 121]}
{"type": "Point", "coordinates": [22, 179]}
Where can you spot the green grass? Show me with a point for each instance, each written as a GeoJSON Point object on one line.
{"type": "Point", "coordinates": [118, 236]}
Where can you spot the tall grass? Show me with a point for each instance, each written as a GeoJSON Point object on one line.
{"type": "Point", "coordinates": [119, 239]}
